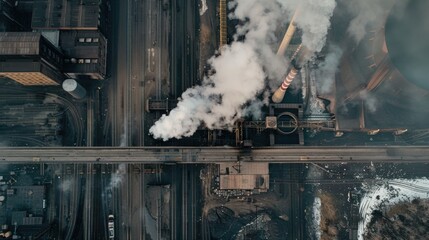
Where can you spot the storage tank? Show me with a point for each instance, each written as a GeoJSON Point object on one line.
{"type": "Point", "coordinates": [383, 81]}
{"type": "Point", "coordinates": [74, 88]}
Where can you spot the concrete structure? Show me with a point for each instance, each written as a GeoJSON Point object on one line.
{"type": "Point", "coordinates": [244, 176]}
{"type": "Point", "coordinates": [85, 54]}
{"type": "Point", "coordinates": [194, 155]}
{"type": "Point", "coordinates": [30, 59]}
{"type": "Point", "coordinates": [74, 88]}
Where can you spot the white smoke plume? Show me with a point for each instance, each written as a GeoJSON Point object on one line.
{"type": "Point", "coordinates": [370, 100]}
{"type": "Point", "coordinates": [239, 73]}
{"type": "Point", "coordinates": [366, 13]}
{"type": "Point", "coordinates": [313, 18]}
{"type": "Point", "coordinates": [328, 68]}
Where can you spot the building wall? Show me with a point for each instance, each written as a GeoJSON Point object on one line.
{"type": "Point", "coordinates": [85, 54]}
{"type": "Point", "coordinates": [29, 59]}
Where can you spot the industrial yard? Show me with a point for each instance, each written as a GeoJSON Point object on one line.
{"type": "Point", "coordinates": [214, 120]}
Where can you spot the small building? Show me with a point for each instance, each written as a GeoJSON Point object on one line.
{"type": "Point", "coordinates": [85, 54]}
{"type": "Point", "coordinates": [30, 59]}
{"type": "Point", "coordinates": [244, 176]}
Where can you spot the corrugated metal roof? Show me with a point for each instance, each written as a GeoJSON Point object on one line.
{"type": "Point", "coordinates": [19, 43]}
{"type": "Point", "coordinates": [65, 14]}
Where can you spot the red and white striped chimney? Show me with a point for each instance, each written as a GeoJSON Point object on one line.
{"type": "Point", "coordinates": [301, 55]}
{"type": "Point", "coordinates": [280, 92]}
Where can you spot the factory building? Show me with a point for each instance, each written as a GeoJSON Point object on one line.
{"type": "Point", "coordinates": [68, 15]}
{"type": "Point", "coordinates": [244, 176]}
{"type": "Point", "coordinates": [30, 59]}
{"type": "Point", "coordinates": [85, 54]}
{"type": "Point", "coordinates": [68, 42]}
{"type": "Point", "coordinates": [81, 25]}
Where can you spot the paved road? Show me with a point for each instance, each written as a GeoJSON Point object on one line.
{"type": "Point", "coordinates": [216, 154]}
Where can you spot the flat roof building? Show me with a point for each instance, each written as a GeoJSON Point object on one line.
{"type": "Point", "coordinates": [85, 54]}
{"type": "Point", "coordinates": [244, 176]}
{"type": "Point", "coordinates": [30, 59]}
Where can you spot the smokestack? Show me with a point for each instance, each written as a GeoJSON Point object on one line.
{"type": "Point", "coordinates": [296, 66]}
{"type": "Point", "coordinates": [280, 92]}
{"type": "Point", "coordinates": [288, 35]}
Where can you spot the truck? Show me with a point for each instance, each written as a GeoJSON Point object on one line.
{"type": "Point", "coordinates": [111, 226]}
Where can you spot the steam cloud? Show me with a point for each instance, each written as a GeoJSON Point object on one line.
{"type": "Point", "coordinates": [239, 73]}
{"type": "Point", "coordinates": [328, 69]}
{"type": "Point", "coordinates": [313, 19]}
{"type": "Point", "coordinates": [368, 12]}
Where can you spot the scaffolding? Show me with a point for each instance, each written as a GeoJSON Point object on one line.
{"type": "Point", "coordinates": [222, 23]}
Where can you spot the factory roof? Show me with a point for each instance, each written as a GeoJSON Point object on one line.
{"type": "Point", "coordinates": [244, 176]}
{"type": "Point", "coordinates": [19, 43]}
{"type": "Point", "coordinates": [65, 14]}
{"type": "Point", "coordinates": [244, 182]}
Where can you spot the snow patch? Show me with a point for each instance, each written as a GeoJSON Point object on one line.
{"type": "Point", "coordinates": [387, 193]}
{"type": "Point", "coordinates": [317, 204]}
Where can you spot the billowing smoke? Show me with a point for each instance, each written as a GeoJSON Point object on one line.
{"type": "Point", "coordinates": [118, 176]}
{"type": "Point", "coordinates": [239, 73]}
{"type": "Point", "coordinates": [313, 18]}
{"type": "Point", "coordinates": [370, 100]}
{"type": "Point", "coordinates": [366, 13]}
{"type": "Point", "coordinates": [328, 69]}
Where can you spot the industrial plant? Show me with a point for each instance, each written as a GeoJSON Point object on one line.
{"type": "Point", "coordinates": [214, 120]}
